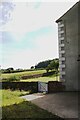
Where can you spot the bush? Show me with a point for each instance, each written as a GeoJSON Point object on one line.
{"type": "Point", "coordinates": [13, 78]}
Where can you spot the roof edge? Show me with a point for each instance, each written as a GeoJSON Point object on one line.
{"type": "Point", "coordinates": [59, 19]}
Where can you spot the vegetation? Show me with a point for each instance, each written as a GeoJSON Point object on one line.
{"type": "Point", "coordinates": [11, 70]}
{"type": "Point", "coordinates": [43, 79]}
{"type": "Point", "coordinates": [43, 68]}
{"type": "Point", "coordinates": [17, 76]}
{"type": "Point", "coordinates": [11, 97]}
{"type": "Point", "coordinates": [13, 78]}
{"type": "Point", "coordinates": [53, 65]}
{"type": "Point", "coordinates": [46, 63]}
{"type": "Point", "coordinates": [42, 64]}
{"type": "Point", "coordinates": [15, 107]}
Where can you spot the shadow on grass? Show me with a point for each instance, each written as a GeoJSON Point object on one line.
{"type": "Point", "coordinates": [25, 110]}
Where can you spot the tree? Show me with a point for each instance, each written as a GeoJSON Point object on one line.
{"type": "Point", "coordinates": [53, 65]}
{"type": "Point", "coordinates": [50, 66]}
{"type": "Point", "coordinates": [9, 70]}
{"type": "Point", "coordinates": [43, 64]}
{"type": "Point", "coordinates": [56, 65]}
{"type": "Point", "coordinates": [32, 67]}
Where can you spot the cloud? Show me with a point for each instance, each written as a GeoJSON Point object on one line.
{"type": "Point", "coordinates": [6, 8]}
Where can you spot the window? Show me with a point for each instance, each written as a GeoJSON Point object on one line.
{"type": "Point", "coordinates": [62, 41]}
{"type": "Point", "coordinates": [63, 55]}
{"type": "Point", "coordinates": [62, 28]}
{"type": "Point", "coordinates": [63, 62]}
{"type": "Point", "coordinates": [63, 69]}
{"type": "Point", "coordinates": [62, 48]}
{"type": "Point", "coordinates": [63, 76]}
{"type": "Point", "coordinates": [62, 34]}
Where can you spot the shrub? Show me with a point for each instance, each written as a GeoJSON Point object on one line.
{"type": "Point", "coordinates": [13, 78]}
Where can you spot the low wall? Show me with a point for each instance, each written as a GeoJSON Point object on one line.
{"type": "Point", "coordinates": [55, 86]}
{"type": "Point", "coordinates": [32, 86]}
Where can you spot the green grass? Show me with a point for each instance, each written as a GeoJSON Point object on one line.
{"type": "Point", "coordinates": [42, 79]}
{"type": "Point", "coordinates": [19, 74]}
{"type": "Point", "coordinates": [15, 107]}
{"type": "Point", "coordinates": [11, 97]}
{"type": "Point", "coordinates": [11, 76]}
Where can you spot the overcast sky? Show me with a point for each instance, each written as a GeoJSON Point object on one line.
{"type": "Point", "coordinates": [28, 32]}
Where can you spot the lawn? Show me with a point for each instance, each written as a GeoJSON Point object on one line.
{"type": "Point", "coordinates": [15, 107]}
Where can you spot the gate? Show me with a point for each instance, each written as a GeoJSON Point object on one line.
{"type": "Point", "coordinates": [42, 87]}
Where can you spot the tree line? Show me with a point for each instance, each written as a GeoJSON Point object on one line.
{"type": "Point", "coordinates": [47, 65]}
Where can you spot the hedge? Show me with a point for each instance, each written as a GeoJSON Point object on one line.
{"type": "Point", "coordinates": [27, 86]}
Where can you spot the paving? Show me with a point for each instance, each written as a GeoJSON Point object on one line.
{"type": "Point", "coordinates": [32, 96]}
{"type": "Point", "coordinates": [63, 104]}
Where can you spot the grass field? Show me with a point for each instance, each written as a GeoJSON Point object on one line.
{"type": "Point", "coordinates": [19, 74]}
{"type": "Point", "coordinates": [42, 79]}
{"type": "Point", "coordinates": [15, 107]}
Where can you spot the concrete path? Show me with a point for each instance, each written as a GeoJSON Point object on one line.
{"type": "Point", "coordinates": [64, 104]}
{"type": "Point", "coordinates": [32, 96]}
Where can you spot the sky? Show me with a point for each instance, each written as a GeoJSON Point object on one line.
{"type": "Point", "coordinates": [28, 31]}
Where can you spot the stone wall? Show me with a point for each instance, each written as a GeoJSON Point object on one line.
{"type": "Point", "coordinates": [55, 86]}
{"type": "Point", "coordinates": [27, 86]}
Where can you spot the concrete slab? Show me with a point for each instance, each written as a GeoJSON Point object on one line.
{"type": "Point", "coordinates": [63, 104]}
{"type": "Point", "coordinates": [32, 96]}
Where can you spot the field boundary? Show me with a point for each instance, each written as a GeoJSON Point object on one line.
{"type": "Point", "coordinates": [53, 86]}
{"type": "Point", "coordinates": [27, 86]}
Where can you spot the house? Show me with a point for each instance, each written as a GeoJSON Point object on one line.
{"type": "Point", "coordinates": [69, 48]}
